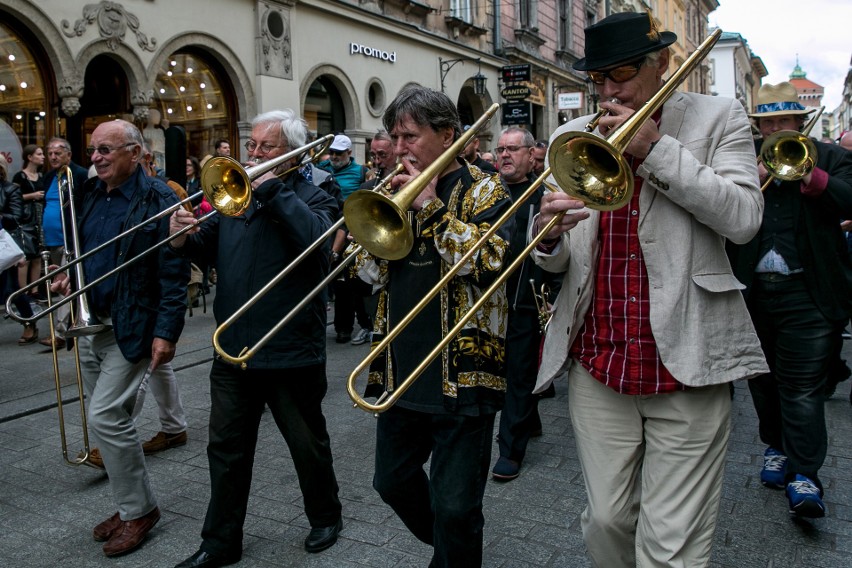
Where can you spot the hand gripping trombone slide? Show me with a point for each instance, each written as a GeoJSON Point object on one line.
{"type": "Point", "coordinates": [585, 166]}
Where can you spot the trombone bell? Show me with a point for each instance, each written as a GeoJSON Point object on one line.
{"type": "Point", "coordinates": [226, 186]}
{"type": "Point", "coordinates": [590, 169]}
{"type": "Point", "coordinates": [380, 222]}
{"type": "Point", "coordinates": [788, 155]}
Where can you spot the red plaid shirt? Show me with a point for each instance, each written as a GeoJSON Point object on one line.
{"type": "Point", "coordinates": [616, 344]}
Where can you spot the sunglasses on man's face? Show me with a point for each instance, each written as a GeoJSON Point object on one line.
{"type": "Point", "coordinates": [620, 74]}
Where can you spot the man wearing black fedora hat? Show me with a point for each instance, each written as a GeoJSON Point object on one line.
{"type": "Point", "coordinates": [797, 272]}
{"type": "Point", "coordinates": [649, 322]}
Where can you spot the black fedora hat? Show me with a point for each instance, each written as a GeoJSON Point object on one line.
{"type": "Point", "coordinates": [621, 37]}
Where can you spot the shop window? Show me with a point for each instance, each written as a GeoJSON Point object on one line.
{"type": "Point", "coordinates": [190, 92]}
{"type": "Point", "coordinates": [23, 97]}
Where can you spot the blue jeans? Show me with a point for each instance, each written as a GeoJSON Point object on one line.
{"type": "Point", "coordinates": [798, 342]}
{"type": "Point", "coordinates": [443, 509]}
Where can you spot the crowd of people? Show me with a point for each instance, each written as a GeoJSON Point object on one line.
{"type": "Point", "coordinates": [651, 310]}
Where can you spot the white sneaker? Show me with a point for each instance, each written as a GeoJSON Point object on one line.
{"type": "Point", "coordinates": [363, 336]}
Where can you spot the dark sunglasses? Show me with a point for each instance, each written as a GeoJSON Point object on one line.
{"type": "Point", "coordinates": [620, 74]}
{"type": "Point", "coordinates": [337, 152]}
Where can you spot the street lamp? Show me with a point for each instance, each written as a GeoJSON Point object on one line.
{"type": "Point", "coordinates": [478, 80]}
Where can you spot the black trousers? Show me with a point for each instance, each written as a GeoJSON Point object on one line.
{"type": "Point", "coordinates": [443, 509]}
{"type": "Point", "coordinates": [519, 417]}
{"type": "Point", "coordinates": [349, 304]}
{"type": "Point", "coordinates": [798, 342]}
{"type": "Point", "coordinates": [294, 397]}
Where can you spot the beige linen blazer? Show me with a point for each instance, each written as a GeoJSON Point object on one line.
{"type": "Point", "coordinates": [700, 187]}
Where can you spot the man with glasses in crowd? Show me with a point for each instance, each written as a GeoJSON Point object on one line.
{"type": "Point", "coordinates": [288, 374]}
{"type": "Point", "coordinates": [519, 419]}
{"type": "Point", "coordinates": [143, 307]}
{"type": "Point", "coordinates": [650, 322]}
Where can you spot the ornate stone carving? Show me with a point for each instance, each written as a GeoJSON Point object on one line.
{"type": "Point", "coordinates": [274, 56]}
{"type": "Point", "coordinates": [70, 105]}
{"type": "Point", "coordinates": [529, 40]}
{"type": "Point", "coordinates": [140, 98]}
{"type": "Point", "coordinates": [113, 21]}
{"type": "Point", "coordinates": [140, 113]}
{"type": "Point", "coordinates": [71, 86]}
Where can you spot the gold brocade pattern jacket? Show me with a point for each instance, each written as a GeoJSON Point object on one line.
{"type": "Point", "coordinates": [473, 364]}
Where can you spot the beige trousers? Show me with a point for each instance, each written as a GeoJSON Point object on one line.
{"type": "Point", "coordinates": [653, 470]}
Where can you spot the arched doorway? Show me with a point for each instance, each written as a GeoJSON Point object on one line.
{"type": "Point", "coordinates": [106, 96]}
{"type": "Point", "coordinates": [192, 91]}
{"type": "Point", "coordinates": [324, 110]}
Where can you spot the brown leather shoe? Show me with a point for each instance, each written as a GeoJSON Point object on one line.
{"type": "Point", "coordinates": [103, 531]}
{"type": "Point", "coordinates": [94, 460]}
{"type": "Point", "coordinates": [46, 341]}
{"type": "Point", "coordinates": [130, 534]}
{"type": "Point", "coordinates": [163, 441]}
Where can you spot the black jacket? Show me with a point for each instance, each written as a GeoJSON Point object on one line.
{"type": "Point", "coordinates": [819, 240]}
{"type": "Point", "coordinates": [249, 250]}
{"type": "Point", "coordinates": [11, 205]}
{"type": "Point", "coordinates": [150, 296]}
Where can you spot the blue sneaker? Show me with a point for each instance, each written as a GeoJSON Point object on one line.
{"type": "Point", "coordinates": [774, 469]}
{"type": "Point", "coordinates": [805, 498]}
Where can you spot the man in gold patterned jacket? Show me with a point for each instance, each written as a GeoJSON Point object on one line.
{"type": "Point", "coordinates": [448, 413]}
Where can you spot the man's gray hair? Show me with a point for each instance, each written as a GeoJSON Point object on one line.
{"type": "Point", "coordinates": [529, 139]}
{"type": "Point", "coordinates": [382, 135]}
{"type": "Point", "coordinates": [61, 142]}
{"type": "Point", "coordinates": [424, 107]}
{"type": "Point", "coordinates": [293, 128]}
{"type": "Point", "coordinates": [131, 134]}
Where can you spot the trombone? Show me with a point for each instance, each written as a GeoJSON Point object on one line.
{"type": "Point", "coordinates": [587, 167]}
{"type": "Point", "coordinates": [394, 239]}
{"type": "Point", "coordinates": [227, 186]}
{"type": "Point", "coordinates": [247, 353]}
{"type": "Point", "coordinates": [789, 155]}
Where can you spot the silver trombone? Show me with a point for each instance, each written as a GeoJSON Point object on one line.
{"type": "Point", "coordinates": [227, 186]}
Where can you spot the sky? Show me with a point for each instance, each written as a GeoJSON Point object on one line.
{"type": "Point", "coordinates": [820, 31]}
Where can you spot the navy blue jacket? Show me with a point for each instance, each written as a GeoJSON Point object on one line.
{"type": "Point", "coordinates": [150, 296]}
{"type": "Point", "coordinates": [249, 250]}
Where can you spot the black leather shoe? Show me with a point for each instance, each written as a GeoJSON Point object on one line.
{"type": "Point", "coordinates": [203, 559]}
{"type": "Point", "coordinates": [321, 538]}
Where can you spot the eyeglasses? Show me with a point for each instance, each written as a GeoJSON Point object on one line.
{"type": "Point", "coordinates": [510, 149]}
{"type": "Point", "coordinates": [265, 148]}
{"type": "Point", "coordinates": [105, 150]}
{"type": "Point", "coordinates": [337, 152]}
{"type": "Point", "coordinates": [379, 155]}
{"type": "Point", "coordinates": [620, 74]}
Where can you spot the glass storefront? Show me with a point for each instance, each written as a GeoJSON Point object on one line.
{"type": "Point", "coordinates": [24, 111]}
{"type": "Point", "coordinates": [189, 92]}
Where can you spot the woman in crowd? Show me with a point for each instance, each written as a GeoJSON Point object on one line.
{"type": "Point", "coordinates": [29, 179]}
{"type": "Point", "coordinates": [11, 210]}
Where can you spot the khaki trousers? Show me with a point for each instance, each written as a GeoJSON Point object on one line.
{"type": "Point", "coordinates": [653, 470]}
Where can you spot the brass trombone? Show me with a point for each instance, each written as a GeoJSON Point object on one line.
{"type": "Point", "coordinates": [247, 353]}
{"type": "Point", "coordinates": [789, 155]}
{"type": "Point", "coordinates": [583, 176]}
{"type": "Point", "coordinates": [227, 186]}
{"type": "Point", "coordinates": [393, 237]}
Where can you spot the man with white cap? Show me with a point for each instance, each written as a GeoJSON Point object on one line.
{"type": "Point", "coordinates": [797, 274]}
{"type": "Point", "coordinates": [348, 304]}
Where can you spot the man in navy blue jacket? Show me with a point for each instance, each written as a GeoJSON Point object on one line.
{"type": "Point", "coordinates": [143, 306]}
{"type": "Point", "coordinates": [288, 373]}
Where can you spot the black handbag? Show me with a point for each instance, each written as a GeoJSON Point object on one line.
{"type": "Point", "coordinates": [27, 241]}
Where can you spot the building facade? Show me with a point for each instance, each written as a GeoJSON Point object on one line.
{"type": "Point", "coordinates": [191, 72]}
{"type": "Point", "coordinates": [735, 71]}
